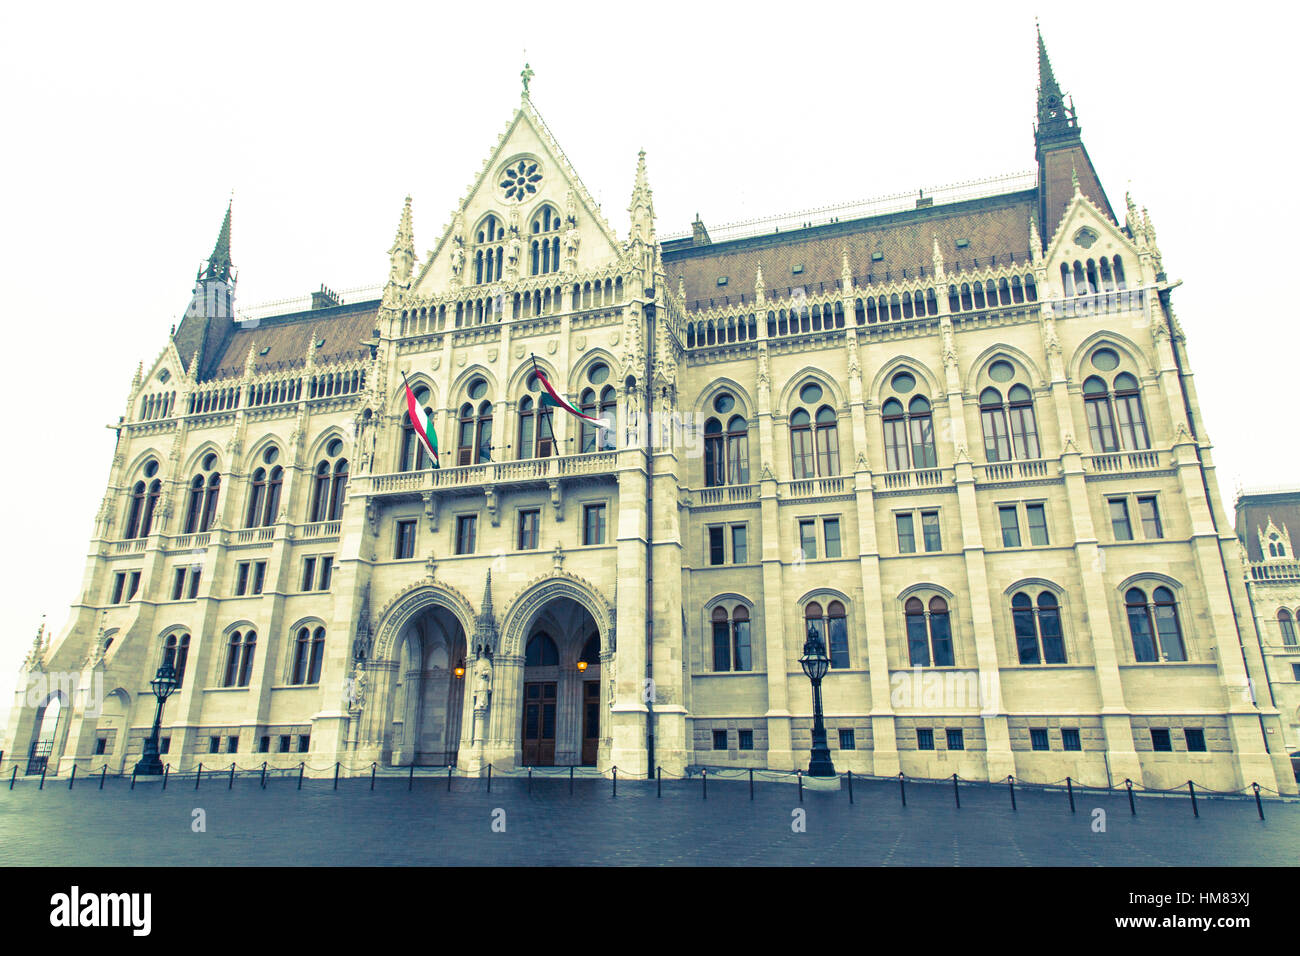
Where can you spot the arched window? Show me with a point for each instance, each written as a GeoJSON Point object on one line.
{"type": "Point", "coordinates": [1022, 440]}
{"type": "Point", "coordinates": [609, 413]}
{"type": "Point", "coordinates": [929, 633]}
{"type": "Point", "coordinates": [1128, 411]}
{"type": "Point", "coordinates": [465, 440]}
{"type": "Point", "coordinates": [909, 437]}
{"type": "Point", "coordinates": [544, 247]}
{"type": "Point", "coordinates": [587, 405]}
{"type": "Point", "coordinates": [135, 510]}
{"type": "Point", "coordinates": [993, 417]}
{"type": "Point", "coordinates": [413, 456]}
{"type": "Point", "coordinates": [239, 659]}
{"type": "Point", "coordinates": [732, 647]}
{"type": "Point", "coordinates": [176, 652]}
{"type": "Point", "coordinates": [803, 462]}
{"type": "Point", "coordinates": [527, 427]}
{"type": "Point", "coordinates": [1156, 632]}
{"type": "Point", "coordinates": [256, 499]}
{"type": "Point", "coordinates": [308, 653]}
{"type": "Point", "coordinates": [737, 451]}
{"type": "Point", "coordinates": [488, 256]}
{"type": "Point", "coordinates": [541, 652]}
{"type": "Point", "coordinates": [483, 433]}
{"type": "Point", "coordinates": [329, 484]}
{"type": "Point", "coordinates": [715, 462]}
{"type": "Point", "coordinates": [1286, 623]}
{"type": "Point", "coordinates": [205, 489]}
{"type": "Point", "coordinates": [1101, 421]}
{"type": "Point", "coordinates": [827, 442]}
{"type": "Point", "coordinates": [1038, 629]}
{"type": "Point", "coordinates": [832, 628]}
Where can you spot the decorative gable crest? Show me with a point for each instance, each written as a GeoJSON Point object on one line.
{"type": "Point", "coordinates": [1275, 544]}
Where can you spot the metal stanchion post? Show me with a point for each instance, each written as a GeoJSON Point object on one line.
{"type": "Point", "coordinates": [850, 786]}
{"type": "Point", "coordinates": [1132, 808]}
{"type": "Point", "coordinates": [231, 784]}
{"type": "Point", "coordinates": [373, 767]}
{"type": "Point", "coordinates": [751, 783]}
{"type": "Point", "coordinates": [72, 777]}
{"type": "Point", "coordinates": [410, 778]}
{"type": "Point", "coordinates": [489, 778]}
{"type": "Point", "coordinates": [614, 793]}
{"type": "Point", "coordinates": [1259, 804]}
{"type": "Point", "coordinates": [1069, 788]}
{"type": "Point", "coordinates": [103, 772]}
{"type": "Point", "coordinates": [198, 776]}
{"type": "Point", "coordinates": [167, 769]}
{"type": "Point", "coordinates": [336, 774]}
{"type": "Point", "coordinates": [902, 789]}
{"type": "Point", "coordinates": [302, 765]}
{"type": "Point", "coordinates": [1192, 790]}
{"type": "Point", "coordinates": [800, 774]}
{"type": "Point", "coordinates": [704, 778]}
{"type": "Point", "coordinates": [659, 782]}
{"type": "Point", "coordinates": [263, 774]}
{"type": "Point", "coordinates": [1011, 785]}
{"type": "Point", "coordinates": [955, 795]}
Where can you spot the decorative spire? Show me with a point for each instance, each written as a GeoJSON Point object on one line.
{"type": "Point", "coordinates": [402, 252]}
{"type": "Point", "coordinates": [1035, 242]}
{"type": "Point", "coordinates": [1074, 179]}
{"type": "Point", "coordinates": [846, 273]}
{"type": "Point", "coordinates": [1055, 120]}
{"type": "Point", "coordinates": [1132, 221]}
{"type": "Point", "coordinates": [219, 264]}
{"type": "Point", "coordinates": [760, 287]}
{"type": "Point", "coordinates": [937, 258]}
{"type": "Point", "coordinates": [37, 653]}
{"type": "Point", "coordinates": [485, 626]}
{"type": "Point", "coordinates": [642, 209]}
{"type": "Point", "coordinates": [250, 361]}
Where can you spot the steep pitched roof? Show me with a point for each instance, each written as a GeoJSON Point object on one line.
{"type": "Point", "coordinates": [1254, 510]}
{"type": "Point", "coordinates": [343, 327]}
{"type": "Point", "coordinates": [995, 230]}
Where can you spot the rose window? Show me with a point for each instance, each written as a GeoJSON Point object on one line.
{"type": "Point", "coordinates": [520, 180]}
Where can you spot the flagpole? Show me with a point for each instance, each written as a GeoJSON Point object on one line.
{"type": "Point", "coordinates": [433, 460]}
{"type": "Point", "coordinates": [550, 420]}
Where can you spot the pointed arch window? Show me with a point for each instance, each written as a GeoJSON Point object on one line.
{"type": "Point", "coordinates": [412, 455]}
{"type": "Point", "coordinates": [1286, 623]}
{"type": "Point", "coordinates": [541, 652]}
{"type": "Point", "coordinates": [929, 632]}
{"type": "Point", "coordinates": [909, 436]}
{"type": "Point", "coordinates": [308, 654]}
{"type": "Point", "coordinates": [827, 442]}
{"type": "Point", "coordinates": [737, 451]}
{"type": "Point", "coordinates": [1154, 626]}
{"type": "Point", "coordinates": [1038, 629]}
{"type": "Point", "coordinates": [544, 248]}
{"type": "Point", "coordinates": [1128, 410]}
{"type": "Point", "coordinates": [144, 500]}
{"type": "Point", "coordinates": [239, 658]}
{"type": "Point", "coordinates": [329, 484]}
{"type": "Point", "coordinates": [487, 258]}
{"type": "Point", "coordinates": [205, 489]}
{"type": "Point", "coordinates": [1020, 441]}
{"type": "Point", "coordinates": [176, 652]}
{"type": "Point", "coordinates": [1101, 420]}
{"type": "Point", "coordinates": [803, 461]}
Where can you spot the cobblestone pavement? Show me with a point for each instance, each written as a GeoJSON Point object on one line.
{"type": "Point", "coordinates": [428, 825]}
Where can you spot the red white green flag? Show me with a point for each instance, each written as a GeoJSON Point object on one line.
{"type": "Point", "coordinates": [422, 423]}
{"type": "Point", "coordinates": [552, 398]}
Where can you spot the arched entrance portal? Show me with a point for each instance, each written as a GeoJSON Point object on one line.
{"type": "Point", "coordinates": [563, 719]}
{"type": "Point", "coordinates": [50, 726]}
{"type": "Point", "coordinates": [427, 698]}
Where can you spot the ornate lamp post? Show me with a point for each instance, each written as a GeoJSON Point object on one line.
{"type": "Point", "coordinates": [163, 683]}
{"type": "Point", "coordinates": [815, 664]}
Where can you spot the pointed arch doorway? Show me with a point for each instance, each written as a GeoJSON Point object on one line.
{"type": "Point", "coordinates": [427, 701]}
{"type": "Point", "coordinates": [563, 719]}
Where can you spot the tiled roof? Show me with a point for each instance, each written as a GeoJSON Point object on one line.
{"type": "Point", "coordinates": [994, 228]}
{"type": "Point", "coordinates": [1057, 169]}
{"type": "Point", "coordinates": [1254, 512]}
{"type": "Point", "coordinates": [343, 327]}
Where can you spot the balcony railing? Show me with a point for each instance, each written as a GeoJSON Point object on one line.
{"type": "Point", "coordinates": [254, 535]}
{"type": "Point", "coordinates": [1275, 571]}
{"type": "Point", "coordinates": [917, 478]}
{"type": "Point", "coordinates": [1124, 461]}
{"type": "Point", "coordinates": [319, 529]}
{"type": "Point", "coordinates": [1012, 470]}
{"type": "Point", "coordinates": [491, 473]}
{"type": "Point", "coordinates": [727, 495]}
{"type": "Point", "coordinates": [816, 487]}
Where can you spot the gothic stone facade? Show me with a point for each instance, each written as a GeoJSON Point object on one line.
{"type": "Point", "coordinates": [960, 440]}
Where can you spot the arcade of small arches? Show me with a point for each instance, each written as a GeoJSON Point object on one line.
{"type": "Point", "coordinates": [525, 304]}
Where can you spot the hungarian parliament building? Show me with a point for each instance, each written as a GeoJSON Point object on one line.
{"type": "Point", "coordinates": [955, 435]}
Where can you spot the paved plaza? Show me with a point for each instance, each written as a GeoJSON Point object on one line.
{"type": "Point", "coordinates": [427, 825]}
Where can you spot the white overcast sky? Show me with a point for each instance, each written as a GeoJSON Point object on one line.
{"type": "Point", "coordinates": [129, 125]}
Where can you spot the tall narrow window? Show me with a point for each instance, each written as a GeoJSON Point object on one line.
{"type": "Point", "coordinates": [528, 527]}
{"type": "Point", "coordinates": [997, 444]}
{"type": "Point", "coordinates": [1119, 521]}
{"type": "Point", "coordinates": [922, 432]}
{"type": "Point", "coordinates": [918, 639]}
{"type": "Point", "coordinates": [210, 503]}
{"type": "Point", "coordinates": [593, 524]}
{"type": "Point", "coordinates": [808, 538]}
{"type": "Point", "coordinates": [837, 635]}
{"type": "Point", "coordinates": [1024, 428]}
{"type": "Point", "coordinates": [1036, 515]}
{"type": "Point", "coordinates": [895, 424]}
{"type": "Point", "coordinates": [1286, 624]}
{"type": "Point", "coordinates": [828, 442]}
{"type": "Point", "coordinates": [587, 434]}
{"type": "Point", "coordinates": [739, 544]}
{"type": "Point", "coordinates": [831, 536]}
{"type": "Point", "coordinates": [742, 655]}
{"type": "Point", "coordinates": [466, 527]}
{"type": "Point", "coordinates": [1038, 630]}
{"type": "Point", "coordinates": [717, 546]}
{"type": "Point", "coordinates": [465, 435]}
{"type": "Point", "coordinates": [940, 633]}
{"type": "Point", "coordinates": [721, 641]}
{"type": "Point", "coordinates": [256, 499]}
{"type": "Point", "coordinates": [802, 460]}
{"type": "Point", "coordinates": [527, 426]}
{"type": "Point", "coordinates": [1009, 518]}
{"type": "Point", "coordinates": [906, 533]}
{"type": "Point", "coordinates": [1150, 515]}
{"type": "Point", "coordinates": [1128, 410]}
{"type": "Point", "coordinates": [1139, 624]}
{"type": "Point", "coordinates": [301, 654]}
{"type": "Point", "coordinates": [715, 465]}
{"type": "Point", "coordinates": [404, 540]}
{"type": "Point", "coordinates": [135, 510]}
{"type": "Point", "coordinates": [1168, 630]}
{"type": "Point", "coordinates": [1101, 423]}
{"type": "Point", "coordinates": [930, 531]}
{"type": "Point", "coordinates": [737, 451]}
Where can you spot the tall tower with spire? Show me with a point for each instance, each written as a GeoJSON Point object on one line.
{"type": "Point", "coordinates": [210, 317]}
{"type": "Point", "coordinates": [1062, 157]}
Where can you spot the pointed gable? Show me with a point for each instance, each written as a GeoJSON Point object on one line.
{"type": "Point", "coordinates": [525, 174]}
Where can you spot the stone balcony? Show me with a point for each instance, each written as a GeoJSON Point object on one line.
{"type": "Point", "coordinates": [528, 471]}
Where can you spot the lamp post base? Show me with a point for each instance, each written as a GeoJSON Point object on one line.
{"type": "Point", "coordinates": [149, 768]}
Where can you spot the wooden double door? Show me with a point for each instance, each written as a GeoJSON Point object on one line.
{"type": "Point", "coordinates": [540, 701]}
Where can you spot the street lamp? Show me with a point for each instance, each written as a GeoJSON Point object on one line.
{"type": "Point", "coordinates": [163, 683]}
{"type": "Point", "coordinates": [815, 664]}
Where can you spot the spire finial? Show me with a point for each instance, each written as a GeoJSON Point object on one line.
{"type": "Point", "coordinates": [219, 263]}
{"type": "Point", "coordinates": [936, 256]}
{"type": "Point", "coordinates": [1055, 119]}
{"type": "Point", "coordinates": [1074, 178]}
{"type": "Point", "coordinates": [525, 75]}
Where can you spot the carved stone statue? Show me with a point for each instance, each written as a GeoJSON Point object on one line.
{"type": "Point", "coordinates": [457, 255]}
{"type": "Point", "coordinates": [571, 240]}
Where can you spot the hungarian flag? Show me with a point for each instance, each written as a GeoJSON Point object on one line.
{"type": "Point", "coordinates": [551, 398]}
{"type": "Point", "coordinates": [422, 423]}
